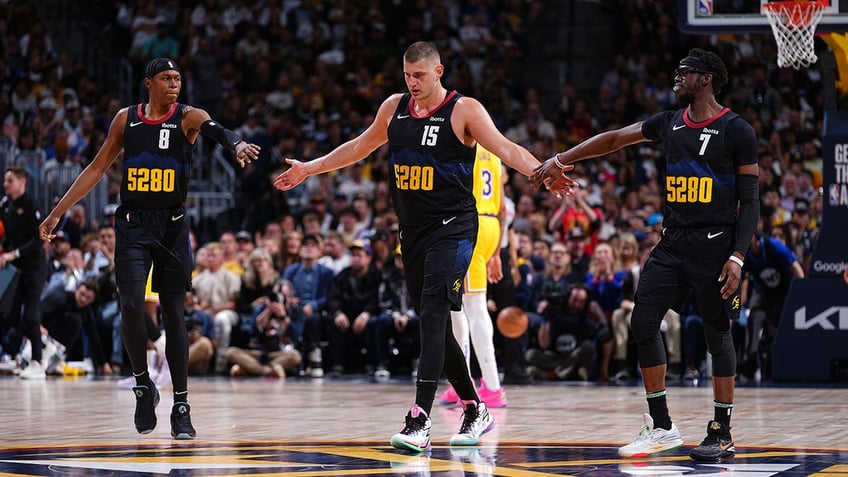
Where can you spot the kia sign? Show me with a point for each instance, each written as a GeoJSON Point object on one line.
{"type": "Point", "coordinates": [812, 338]}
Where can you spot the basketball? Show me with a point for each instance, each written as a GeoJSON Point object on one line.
{"type": "Point", "coordinates": [512, 322]}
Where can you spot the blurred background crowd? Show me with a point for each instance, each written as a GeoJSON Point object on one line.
{"type": "Point", "coordinates": [299, 77]}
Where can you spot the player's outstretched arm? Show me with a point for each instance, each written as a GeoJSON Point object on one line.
{"type": "Point", "coordinates": [197, 120]}
{"type": "Point", "coordinates": [551, 171]}
{"type": "Point", "coordinates": [90, 176]}
{"type": "Point", "coordinates": [478, 124]}
{"type": "Point", "coordinates": [346, 154]}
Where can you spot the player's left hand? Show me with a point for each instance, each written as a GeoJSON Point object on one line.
{"type": "Point", "coordinates": [246, 153]}
{"type": "Point", "coordinates": [293, 176]}
{"type": "Point", "coordinates": [731, 275]}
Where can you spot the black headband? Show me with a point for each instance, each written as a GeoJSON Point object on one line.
{"type": "Point", "coordinates": [158, 65]}
{"type": "Point", "coordinates": [698, 65]}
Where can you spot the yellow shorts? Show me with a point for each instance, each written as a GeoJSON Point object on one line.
{"type": "Point", "coordinates": [488, 239]}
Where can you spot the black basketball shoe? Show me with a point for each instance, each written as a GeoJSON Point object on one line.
{"type": "Point", "coordinates": [181, 427]}
{"type": "Point", "coordinates": [146, 400]}
{"type": "Point", "coordinates": [716, 446]}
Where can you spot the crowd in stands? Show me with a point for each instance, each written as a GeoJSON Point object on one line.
{"type": "Point", "coordinates": [310, 281]}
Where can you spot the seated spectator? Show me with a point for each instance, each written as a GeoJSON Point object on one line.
{"type": "Point", "coordinates": [270, 353]}
{"type": "Point", "coordinates": [201, 337]}
{"type": "Point", "coordinates": [571, 340]}
{"type": "Point", "coordinates": [71, 319]}
{"type": "Point", "coordinates": [335, 256]}
{"type": "Point", "coordinates": [290, 251]}
{"type": "Point", "coordinates": [310, 286]}
{"type": "Point", "coordinates": [605, 279]}
{"type": "Point", "coordinates": [257, 288]}
{"type": "Point", "coordinates": [229, 245]}
{"type": "Point", "coordinates": [245, 245]}
{"type": "Point", "coordinates": [217, 291]}
{"type": "Point", "coordinates": [351, 305]}
{"type": "Point", "coordinates": [396, 332]}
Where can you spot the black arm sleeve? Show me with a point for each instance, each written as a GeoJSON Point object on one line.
{"type": "Point", "coordinates": [226, 138]}
{"type": "Point", "coordinates": [747, 187]}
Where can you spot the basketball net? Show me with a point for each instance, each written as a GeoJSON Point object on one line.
{"type": "Point", "coordinates": [794, 26]}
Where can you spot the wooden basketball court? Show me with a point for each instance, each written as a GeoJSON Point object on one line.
{"type": "Point", "coordinates": [260, 427]}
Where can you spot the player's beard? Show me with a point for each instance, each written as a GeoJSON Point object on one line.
{"type": "Point", "coordinates": [685, 98]}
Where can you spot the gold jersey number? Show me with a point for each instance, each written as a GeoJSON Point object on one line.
{"type": "Point", "coordinates": [689, 189]}
{"type": "Point", "coordinates": [142, 179]}
{"type": "Point", "coordinates": [413, 177]}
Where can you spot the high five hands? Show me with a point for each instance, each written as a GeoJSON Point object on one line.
{"type": "Point", "coordinates": [552, 175]}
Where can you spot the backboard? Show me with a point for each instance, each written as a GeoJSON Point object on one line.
{"type": "Point", "coordinates": [747, 16]}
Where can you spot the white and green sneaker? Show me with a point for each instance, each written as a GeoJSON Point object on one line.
{"type": "Point", "coordinates": [652, 440]}
{"type": "Point", "coordinates": [476, 421]}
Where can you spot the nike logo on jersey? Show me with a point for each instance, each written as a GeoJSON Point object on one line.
{"type": "Point", "coordinates": [711, 235]}
{"type": "Point", "coordinates": [132, 125]}
{"type": "Point", "coordinates": [447, 221]}
{"type": "Point", "coordinates": [176, 217]}
{"type": "Point", "coordinates": [675, 128]}
{"type": "Point", "coordinates": [401, 116]}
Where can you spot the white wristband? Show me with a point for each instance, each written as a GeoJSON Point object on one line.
{"type": "Point", "coordinates": [556, 161]}
{"type": "Point", "coordinates": [734, 258]}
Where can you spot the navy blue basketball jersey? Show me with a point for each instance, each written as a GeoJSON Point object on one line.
{"type": "Point", "coordinates": [157, 160]}
{"type": "Point", "coordinates": [701, 161]}
{"type": "Point", "coordinates": [432, 169]}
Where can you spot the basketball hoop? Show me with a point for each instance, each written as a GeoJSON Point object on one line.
{"type": "Point", "coordinates": [794, 26]}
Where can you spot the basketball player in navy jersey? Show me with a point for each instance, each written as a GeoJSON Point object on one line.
{"type": "Point", "coordinates": [432, 135]}
{"type": "Point", "coordinates": [157, 139]}
{"type": "Point", "coordinates": [711, 210]}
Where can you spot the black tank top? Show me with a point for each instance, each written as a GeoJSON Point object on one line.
{"type": "Point", "coordinates": [157, 160]}
{"type": "Point", "coordinates": [432, 169]}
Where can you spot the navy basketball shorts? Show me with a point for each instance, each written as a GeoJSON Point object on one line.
{"type": "Point", "coordinates": [436, 258]}
{"type": "Point", "coordinates": [153, 236]}
{"type": "Point", "coordinates": [690, 259]}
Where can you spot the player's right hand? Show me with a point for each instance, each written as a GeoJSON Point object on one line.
{"type": "Point", "coordinates": [46, 228]}
{"type": "Point", "coordinates": [290, 178]}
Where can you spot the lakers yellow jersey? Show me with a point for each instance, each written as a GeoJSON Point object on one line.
{"type": "Point", "coordinates": [487, 182]}
{"type": "Point", "coordinates": [487, 193]}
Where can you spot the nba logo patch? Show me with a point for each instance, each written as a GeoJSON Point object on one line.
{"type": "Point", "coordinates": [705, 7]}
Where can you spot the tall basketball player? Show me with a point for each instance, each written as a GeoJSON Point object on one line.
{"type": "Point", "coordinates": [711, 211]}
{"type": "Point", "coordinates": [157, 139]}
{"type": "Point", "coordinates": [432, 134]}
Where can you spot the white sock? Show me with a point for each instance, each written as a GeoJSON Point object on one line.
{"type": "Point", "coordinates": [482, 332]}
{"type": "Point", "coordinates": [459, 323]}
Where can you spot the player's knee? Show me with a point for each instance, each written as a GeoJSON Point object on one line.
{"type": "Point", "coordinates": [720, 344]}
{"type": "Point", "coordinates": [645, 325]}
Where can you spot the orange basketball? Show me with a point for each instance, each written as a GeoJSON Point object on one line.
{"type": "Point", "coordinates": [512, 322]}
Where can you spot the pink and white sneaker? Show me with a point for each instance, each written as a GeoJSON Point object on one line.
{"type": "Point", "coordinates": [449, 396]}
{"type": "Point", "coordinates": [493, 398]}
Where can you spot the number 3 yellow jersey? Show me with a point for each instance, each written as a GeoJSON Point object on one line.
{"type": "Point", "coordinates": [487, 192]}
{"type": "Point", "coordinates": [487, 182]}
